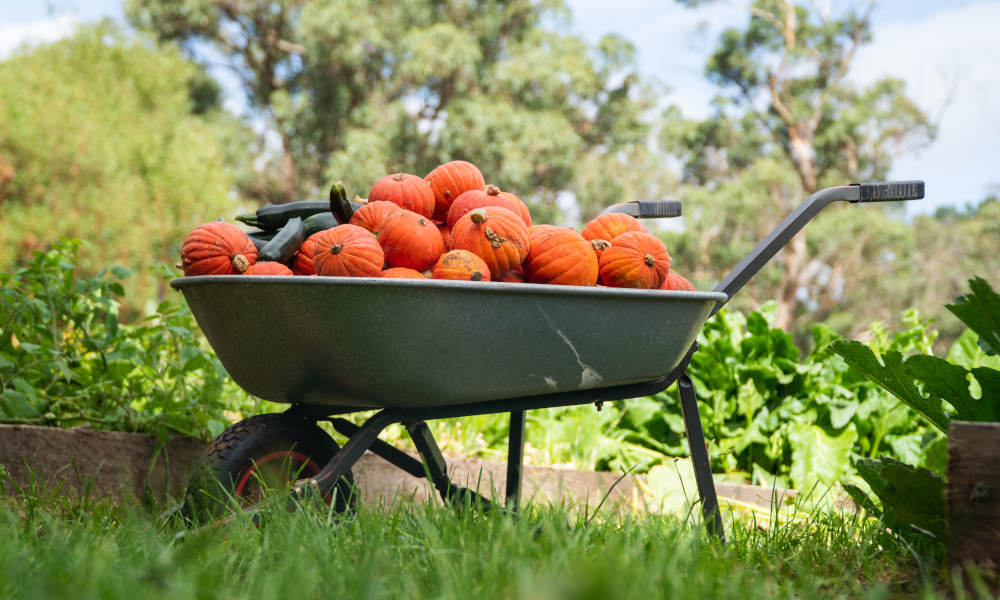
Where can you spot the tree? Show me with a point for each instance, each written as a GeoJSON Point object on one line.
{"type": "Point", "coordinates": [355, 90]}
{"type": "Point", "coordinates": [110, 139]}
{"type": "Point", "coordinates": [787, 122]}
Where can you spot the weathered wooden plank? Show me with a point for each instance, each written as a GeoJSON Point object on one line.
{"type": "Point", "coordinates": [973, 494]}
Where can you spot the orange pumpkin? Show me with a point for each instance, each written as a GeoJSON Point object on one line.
{"type": "Point", "coordinates": [410, 240]}
{"type": "Point", "coordinates": [302, 264]}
{"type": "Point", "coordinates": [491, 196]}
{"type": "Point", "coordinates": [560, 256]}
{"type": "Point", "coordinates": [371, 215]}
{"type": "Point", "coordinates": [461, 265]}
{"type": "Point", "coordinates": [494, 234]}
{"type": "Point", "coordinates": [347, 251]}
{"type": "Point", "coordinates": [610, 226]}
{"type": "Point", "coordinates": [673, 281]}
{"type": "Point", "coordinates": [268, 267]}
{"type": "Point", "coordinates": [635, 260]}
{"type": "Point", "coordinates": [402, 273]}
{"type": "Point", "coordinates": [445, 235]}
{"type": "Point", "coordinates": [406, 191]}
{"type": "Point", "coordinates": [217, 248]}
{"type": "Point", "coordinates": [449, 180]}
{"type": "Point", "coordinates": [599, 247]}
{"type": "Point", "coordinates": [514, 276]}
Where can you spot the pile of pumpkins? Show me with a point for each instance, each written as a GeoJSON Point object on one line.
{"type": "Point", "coordinates": [448, 225]}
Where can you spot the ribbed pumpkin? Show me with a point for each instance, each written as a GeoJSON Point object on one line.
{"type": "Point", "coordinates": [559, 256]}
{"type": "Point", "coordinates": [610, 226]}
{"type": "Point", "coordinates": [635, 260]}
{"type": "Point", "coordinates": [217, 248]}
{"type": "Point", "coordinates": [410, 240]}
{"type": "Point", "coordinates": [461, 265]}
{"type": "Point", "coordinates": [514, 276]}
{"type": "Point", "coordinates": [268, 267]}
{"type": "Point", "coordinates": [406, 191]}
{"type": "Point", "coordinates": [494, 234]}
{"type": "Point", "coordinates": [490, 196]}
{"type": "Point", "coordinates": [673, 281]}
{"type": "Point", "coordinates": [347, 251]}
{"type": "Point", "coordinates": [402, 273]}
{"type": "Point", "coordinates": [370, 215]}
{"type": "Point", "coordinates": [599, 247]}
{"type": "Point", "coordinates": [302, 264]}
{"type": "Point", "coordinates": [445, 235]}
{"type": "Point", "coordinates": [449, 180]}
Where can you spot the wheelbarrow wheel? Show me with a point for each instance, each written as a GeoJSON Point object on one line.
{"type": "Point", "coordinates": [257, 456]}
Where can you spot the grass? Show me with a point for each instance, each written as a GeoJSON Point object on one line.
{"type": "Point", "coordinates": [54, 548]}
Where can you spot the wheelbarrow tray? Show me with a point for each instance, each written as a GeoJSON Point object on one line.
{"type": "Point", "coordinates": [400, 343]}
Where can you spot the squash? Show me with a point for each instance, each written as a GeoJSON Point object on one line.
{"type": "Point", "coordinates": [302, 264]}
{"type": "Point", "coordinates": [673, 281]}
{"type": "Point", "coordinates": [494, 234]}
{"type": "Point", "coordinates": [560, 256]}
{"type": "Point", "coordinates": [371, 215]}
{"type": "Point", "coordinates": [512, 276]}
{"type": "Point", "coordinates": [449, 180]}
{"type": "Point", "coordinates": [217, 248]}
{"type": "Point", "coordinates": [410, 240]}
{"type": "Point", "coordinates": [634, 260]}
{"type": "Point", "coordinates": [610, 226]}
{"type": "Point", "coordinates": [406, 191]}
{"type": "Point", "coordinates": [402, 273]}
{"type": "Point", "coordinates": [347, 251]}
{"type": "Point", "coordinates": [491, 196]}
{"type": "Point", "coordinates": [268, 267]}
{"type": "Point", "coordinates": [461, 265]}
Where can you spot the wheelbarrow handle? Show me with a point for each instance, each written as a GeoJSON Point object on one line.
{"type": "Point", "coordinates": [794, 222]}
{"type": "Point", "coordinates": [647, 209]}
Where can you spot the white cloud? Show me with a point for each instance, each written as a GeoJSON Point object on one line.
{"type": "Point", "coordinates": [36, 32]}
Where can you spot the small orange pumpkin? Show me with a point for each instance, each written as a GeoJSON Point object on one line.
{"type": "Point", "coordinates": [449, 180]}
{"type": "Point", "coordinates": [406, 191]}
{"type": "Point", "coordinates": [514, 276]}
{"type": "Point", "coordinates": [494, 234]}
{"type": "Point", "coordinates": [217, 248]}
{"type": "Point", "coordinates": [610, 226]}
{"type": "Point", "coordinates": [461, 265]}
{"type": "Point", "coordinates": [410, 240]}
{"type": "Point", "coordinates": [347, 251]}
{"type": "Point", "coordinates": [402, 273]}
{"type": "Point", "coordinates": [559, 256]}
{"type": "Point", "coordinates": [268, 267]}
{"type": "Point", "coordinates": [371, 215]}
{"type": "Point", "coordinates": [302, 264]}
{"type": "Point", "coordinates": [445, 235]}
{"type": "Point", "coordinates": [491, 196]}
{"type": "Point", "coordinates": [673, 281]}
{"type": "Point", "coordinates": [635, 260]}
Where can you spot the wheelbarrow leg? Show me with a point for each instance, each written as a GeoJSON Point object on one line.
{"type": "Point", "coordinates": [699, 457]}
{"type": "Point", "coordinates": [515, 460]}
{"type": "Point", "coordinates": [437, 468]}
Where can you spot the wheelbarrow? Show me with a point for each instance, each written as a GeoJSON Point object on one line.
{"type": "Point", "coordinates": [417, 350]}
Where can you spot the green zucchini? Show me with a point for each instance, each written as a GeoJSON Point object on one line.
{"type": "Point", "coordinates": [274, 216]}
{"type": "Point", "coordinates": [285, 243]}
{"type": "Point", "coordinates": [260, 237]}
{"type": "Point", "coordinates": [339, 204]}
{"type": "Point", "coordinates": [319, 222]}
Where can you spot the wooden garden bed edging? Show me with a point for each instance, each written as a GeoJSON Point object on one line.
{"type": "Point", "coordinates": [973, 494]}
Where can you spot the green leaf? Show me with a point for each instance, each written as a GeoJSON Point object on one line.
{"type": "Point", "coordinates": [980, 311]}
{"type": "Point", "coordinates": [967, 352]}
{"type": "Point", "coordinates": [818, 458]}
{"type": "Point", "coordinates": [915, 496]}
{"type": "Point", "coordinates": [121, 272]}
{"type": "Point", "coordinates": [892, 376]}
{"type": "Point", "coordinates": [950, 383]}
{"type": "Point", "coordinates": [17, 406]}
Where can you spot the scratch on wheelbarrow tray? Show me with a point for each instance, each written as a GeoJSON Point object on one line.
{"type": "Point", "coordinates": [589, 378]}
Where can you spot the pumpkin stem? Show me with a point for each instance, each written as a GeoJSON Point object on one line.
{"type": "Point", "coordinates": [360, 200]}
{"type": "Point", "coordinates": [476, 276]}
{"type": "Point", "coordinates": [478, 216]}
{"type": "Point", "coordinates": [649, 260]}
{"type": "Point", "coordinates": [240, 263]}
{"type": "Point", "coordinates": [336, 248]}
{"type": "Point", "coordinates": [600, 244]}
{"type": "Point", "coordinates": [398, 176]}
{"type": "Point", "coordinates": [492, 190]}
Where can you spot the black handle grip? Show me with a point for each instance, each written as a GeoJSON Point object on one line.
{"type": "Point", "coordinates": [659, 208]}
{"type": "Point", "coordinates": [647, 209]}
{"type": "Point", "coordinates": [889, 191]}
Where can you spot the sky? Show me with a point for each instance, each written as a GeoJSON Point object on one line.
{"type": "Point", "coordinates": [946, 51]}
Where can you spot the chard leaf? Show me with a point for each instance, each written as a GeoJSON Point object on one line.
{"type": "Point", "coordinates": [893, 376]}
{"type": "Point", "coordinates": [915, 496]}
{"type": "Point", "coordinates": [818, 458]}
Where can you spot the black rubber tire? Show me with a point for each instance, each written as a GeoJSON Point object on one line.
{"type": "Point", "coordinates": [211, 490]}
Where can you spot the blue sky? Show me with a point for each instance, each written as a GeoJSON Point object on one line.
{"type": "Point", "coordinates": [946, 51]}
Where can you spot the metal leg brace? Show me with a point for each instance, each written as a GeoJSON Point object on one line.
{"type": "Point", "coordinates": [699, 457]}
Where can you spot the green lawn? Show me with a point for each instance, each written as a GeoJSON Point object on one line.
{"type": "Point", "coordinates": [58, 549]}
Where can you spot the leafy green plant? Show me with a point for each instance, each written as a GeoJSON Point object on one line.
{"type": "Point", "coordinates": [966, 387]}
{"type": "Point", "coordinates": [65, 359]}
